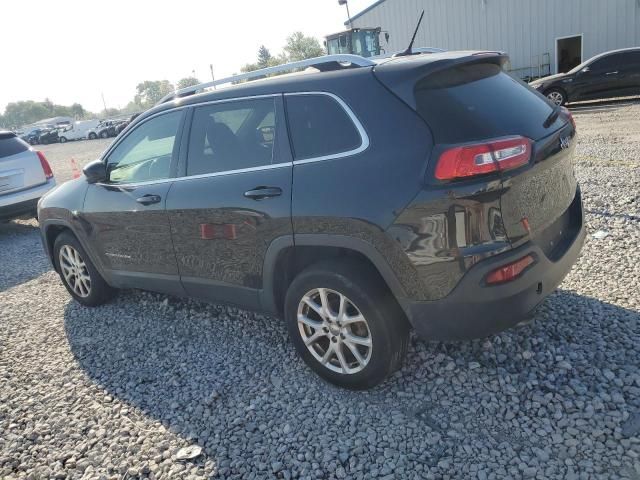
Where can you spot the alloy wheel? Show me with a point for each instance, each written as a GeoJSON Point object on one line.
{"type": "Point", "coordinates": [334, 331]}
{"type": "Point", "coordinates": [555, 97]}
{"type": "Point", "coordinates": [74, 271]}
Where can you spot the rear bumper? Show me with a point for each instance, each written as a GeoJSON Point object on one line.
{"type": "Point", "coordinates": [24, 202]}
{"type": "Point", "coordinates": [19, 209]}
{"type": "Point", "coordinates": [474, 309]}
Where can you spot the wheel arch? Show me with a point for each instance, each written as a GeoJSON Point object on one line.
{"type": "Point", "coordinates": [51, 229]}
{"type": "Point", "coordinates": [285, 258]}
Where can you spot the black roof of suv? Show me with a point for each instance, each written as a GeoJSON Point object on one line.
{"type": "Point", "coordinates": [433, 192]}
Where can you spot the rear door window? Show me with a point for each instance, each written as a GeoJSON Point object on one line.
{"type": "Point", "coordinates": [320, 127]}
{"type": "Point", "coordinates": [232, 136]}
{"type": "Point", "coordinates": [480, 101]}
{"type": "Point", "coordinates": [11, 145]}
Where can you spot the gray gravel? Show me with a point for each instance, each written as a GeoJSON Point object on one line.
{"type": "Point", "coordinates": [117, 392]}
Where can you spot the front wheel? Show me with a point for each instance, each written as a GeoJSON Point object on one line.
{"type": "Point", "coordinates": [80, 277]}
{"type": "Point", "coordinates": [63, 140]}
{"type": "Point", "coordinates": [345, 324]}
{"type": "Point", "coordinates": [92, 136]}
{"type": "Point", "coordinates": [104, 134]}
{"type": "Point", "coordinates": [557, 96]}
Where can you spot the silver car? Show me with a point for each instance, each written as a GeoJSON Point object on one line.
{"type": "Point", "coordinates": [25, 176]}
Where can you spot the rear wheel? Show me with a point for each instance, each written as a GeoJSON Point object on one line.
{"type": "Point", "coordinates": [557, 96]}
{"type": "Point", "coordinates": [63, 139]}
{"type": "Point", "coordinates": [104, 134]}
{"type": "Point", "coordinates": [345, 324]}
{"type": "Point", "coordinates": [80, 277]}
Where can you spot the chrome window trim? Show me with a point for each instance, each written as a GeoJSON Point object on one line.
{"type": "Point", "coordinates": [364, 138]}
{"type": "Point", "coordinates": [202, 175]}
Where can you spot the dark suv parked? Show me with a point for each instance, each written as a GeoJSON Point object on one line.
{"type": "Point", "coordinates": [429, 191]}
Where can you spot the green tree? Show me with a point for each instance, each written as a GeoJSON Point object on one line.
{"type": "Point", "coordinates": [188, 82]}
{"type": "Point", "coordinates": [264, 57]}
{"type": "Point", "coordinates": [25, 112]}
{"type": "Point", "coordinates": [150, 92]}
{"type": "Point", "coordinates": [77, 111]}
{"type": "Point", "coordinates": [301, 47]}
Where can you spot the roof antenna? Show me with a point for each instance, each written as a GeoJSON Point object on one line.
{"type": "Point", "coordinates": [409, 50]}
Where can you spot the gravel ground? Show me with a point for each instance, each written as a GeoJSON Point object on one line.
{"type": "Point", "coordinates": [116, 392]}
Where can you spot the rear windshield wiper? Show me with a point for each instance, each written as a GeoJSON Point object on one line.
{"type": "Point", "coordinates": [552, 116]}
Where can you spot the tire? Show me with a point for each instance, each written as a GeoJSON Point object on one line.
{"type": "Point", "coordinates": [92, 292]}
{"type": "Point", "coordinates": [63, 140]}
{"type": "Point", "coordinates": [556, 96]}
{"type": "Point", "coordinates": [92, 136]}
{"type": "Point", "coordinates": [104, 134]}
{"type": "Point", "coordinates": [384, 324]}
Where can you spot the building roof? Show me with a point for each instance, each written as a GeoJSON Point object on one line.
{"type": "Point", "coordinates": [359, 14]}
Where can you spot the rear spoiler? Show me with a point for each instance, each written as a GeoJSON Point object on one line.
{"type": "Point", "coordinates": [400, 75]}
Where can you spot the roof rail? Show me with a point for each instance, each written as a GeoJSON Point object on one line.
{"type": "Point", "coordinates": [415, 50]}
{"type": "Point", "coordinates": [329, 61]}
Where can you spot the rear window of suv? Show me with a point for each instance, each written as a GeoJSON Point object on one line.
{"type": "Point", "coordinates": [11, 145]}
{"type": "Point", "coordinates": [319, 126]}
{"type": "Point", "coordinates": [480, 101]}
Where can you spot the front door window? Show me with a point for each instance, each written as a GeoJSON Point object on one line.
{"type": "Point", "coordinates": [145, 154]}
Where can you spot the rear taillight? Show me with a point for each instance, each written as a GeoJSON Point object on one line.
{"type": "Point", "coordinates": [46, 168]}
{"type": "Point", "coordinates": [569, 115]}
{"type": "Point", "coordinates": [482, 158]}
{"type": "Point", "coordinates": [509, 272]}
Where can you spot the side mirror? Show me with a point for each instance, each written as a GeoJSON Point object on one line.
{"type": "Point", "coordinates": [95, 171]}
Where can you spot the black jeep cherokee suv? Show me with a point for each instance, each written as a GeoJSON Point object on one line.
{"type": "Point", "coordinates": [427, 191]}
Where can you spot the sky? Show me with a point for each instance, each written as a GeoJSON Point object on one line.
{"type": "Point", "coordinates": [75, 51]}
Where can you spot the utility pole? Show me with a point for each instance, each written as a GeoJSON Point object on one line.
{"type": "Point", "coordinates": [213, 79]}
{"type": "Point", "coordinates": [103, 102]}
{"type": "Point", "coordinates": [346, 4]}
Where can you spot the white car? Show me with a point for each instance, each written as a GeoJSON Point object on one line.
{"type": "Point", "coordinates": [25, 176]}
{"type": "Point", "coordinates": [77, 130]}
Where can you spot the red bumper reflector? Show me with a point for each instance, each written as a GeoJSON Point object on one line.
{"type": "Point", "coordinates": [509, 272]}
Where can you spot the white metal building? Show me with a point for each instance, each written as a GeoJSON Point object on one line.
{"type": "Point", "coordinates": [540, 36]}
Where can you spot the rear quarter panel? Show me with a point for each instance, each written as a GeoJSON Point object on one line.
{"type": "Point", "coordinates": [360, 196]}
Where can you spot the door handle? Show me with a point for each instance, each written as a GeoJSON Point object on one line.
{"type": "Point", "coordinates": [260, 193]}
{"type": "Point", "coordinates": [612, 73]}
{"type": "Point", "coordinates": [149, 199]}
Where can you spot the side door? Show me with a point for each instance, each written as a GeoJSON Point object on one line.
{"type": "Point", "coordinates": [126, 215]}
{"type": "Point", "coordinates": [233, 199]}
{"type": "Point", "coordinates": [602, 79]}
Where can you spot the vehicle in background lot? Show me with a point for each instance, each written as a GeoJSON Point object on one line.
{"type": "Point", "coordinates": [125, 123]}
{"type": "Point", "coordinates": [608, 75]}
{"type": "Point", "coordinates": [32, 137]}
{"type": "Point", "coordinates": [358, 41]}
{"type": "Point", "coordinates": [214, 195]}
{"type": "Point", "coordinates": [25, 176]}
{"type": "Point", "coordinates": [121, 126]}
{"type": "Point", "coordinates": [105, 129]}
{"type": "Point", "coordinates": [48, 136]}
{"type": "Point", "coordinates": [77, 131]}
